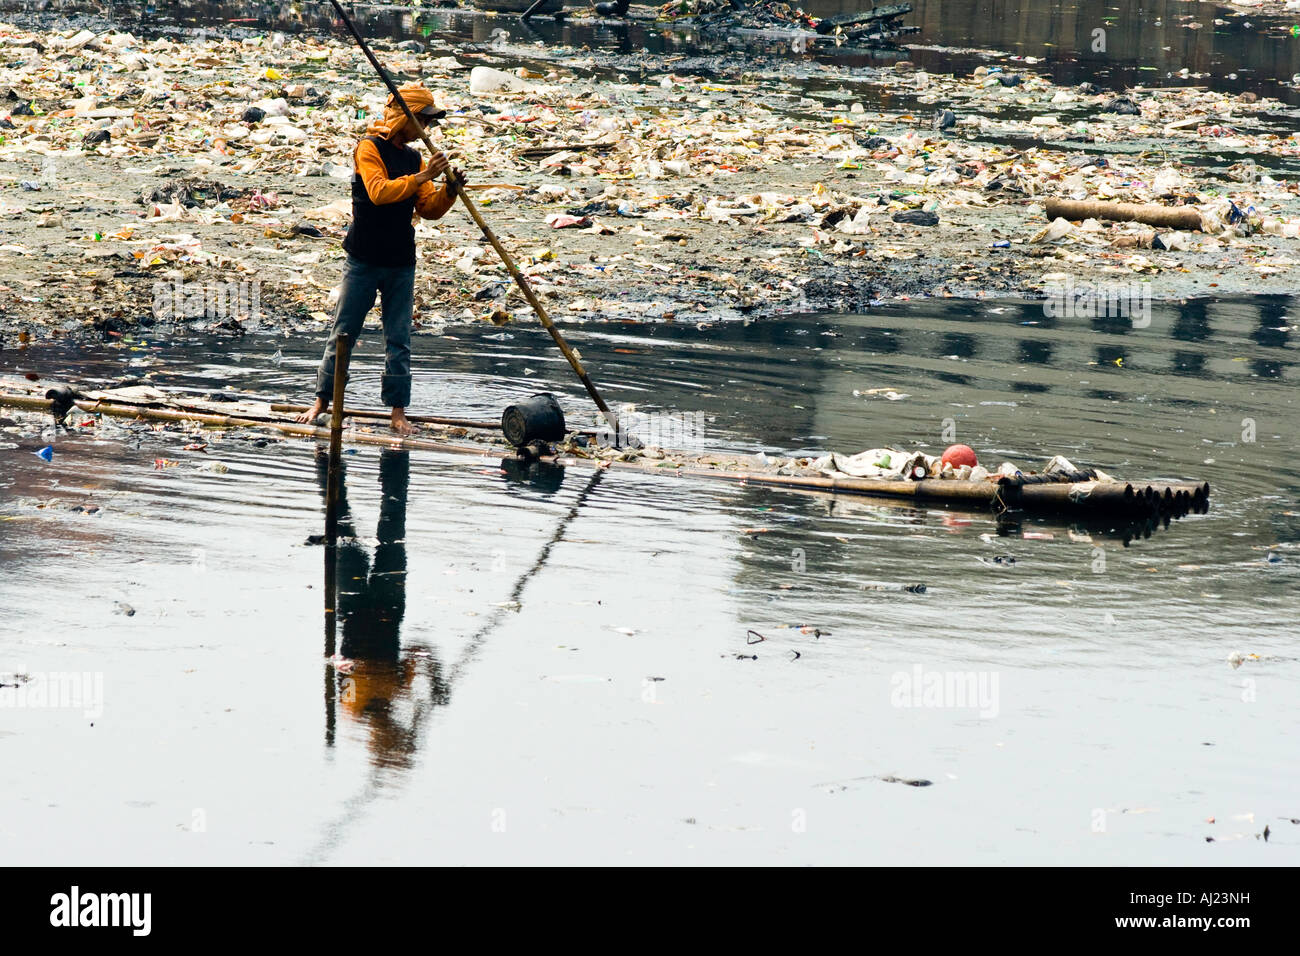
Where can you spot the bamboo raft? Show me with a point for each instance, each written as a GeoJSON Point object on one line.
{"type": "Point", "coordinates": [1129, 501]}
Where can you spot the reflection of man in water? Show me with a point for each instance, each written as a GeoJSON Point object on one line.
{"type": "Point", "coordinates": [371, 598]}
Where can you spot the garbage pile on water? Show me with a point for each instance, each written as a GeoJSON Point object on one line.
{"type": "Point", "coordinates": [876, 24]}
{"type": "Point", "coordinates": [754, 15]}
{"type": "Point", "coordinates": [957, 463]}
{"type": "Point", "coordinates": [895, 464]}
{"type": "Point", "coordinates": [954, 477]}
{"type": "Point", "coordinates": [133, 165]}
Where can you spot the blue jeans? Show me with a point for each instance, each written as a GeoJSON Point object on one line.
{"type": "Point", "coordinates": [396, 288]}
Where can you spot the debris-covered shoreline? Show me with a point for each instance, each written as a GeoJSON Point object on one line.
{"type": "Point", "coordinates": [138, 170]}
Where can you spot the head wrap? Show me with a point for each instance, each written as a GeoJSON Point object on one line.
{"type": "Point", "coordinates": [417, 98]}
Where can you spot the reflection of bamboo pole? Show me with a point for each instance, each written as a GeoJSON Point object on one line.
{"type": "Point", "coordinates": [342, 356]}
{"type": "Point", "coordinates": [331, 631]}
{"type": "Point", "coordinates": [420, 708]}
{"type": "Point", "coordinates": [342, 359]}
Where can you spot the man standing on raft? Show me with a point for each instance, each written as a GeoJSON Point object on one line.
{"type": "Point", "coordinates": [390, 185]}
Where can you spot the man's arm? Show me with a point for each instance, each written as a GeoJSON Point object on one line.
{"type": "Point", "coordinates": [374, 175]}
{"type": "Point", "coordinates": [434, 202]}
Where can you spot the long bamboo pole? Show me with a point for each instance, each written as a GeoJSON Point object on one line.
{"type": "Point", "coordinates": [454, 183]}
{"type": "Point", "coordinates": [367, 413]}
{"type": "Point", "coordinates": [32, 403]}
{"type": "Point", "coordinates": [374, 414]}
{"type": "Point", "coordinates": [364, 413]}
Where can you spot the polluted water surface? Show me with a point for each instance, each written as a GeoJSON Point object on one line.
{"type": "Point", "coordinates": [643, 668]}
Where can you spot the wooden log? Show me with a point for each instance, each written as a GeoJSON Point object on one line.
{"type": "Point", "coordinates": [1169, 217]}
{"type": "Point", "coordinates": [541, 152]}
{"type": "Point", "coordinates": [880, 32]}
{"type": "Point", "coordinates": [848, 20]}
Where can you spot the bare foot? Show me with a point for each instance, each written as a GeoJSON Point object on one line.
{"type": "Point", "coordinates": [309, 417]}
{"type": "Point", "coordinates": [401, 424]}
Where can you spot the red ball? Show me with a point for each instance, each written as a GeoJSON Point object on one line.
{"type": "Point", "coordinates": [958, 455]}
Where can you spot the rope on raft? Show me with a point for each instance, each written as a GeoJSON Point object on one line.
{"type": "Point", "coordinates": [1008, 497]}
{"type": "Point", "coordinates": [1056, 477]}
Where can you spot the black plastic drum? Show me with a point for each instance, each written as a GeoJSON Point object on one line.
{"type": "Point", "coordinates": [538, 418]}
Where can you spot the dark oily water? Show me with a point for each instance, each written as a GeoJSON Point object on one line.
{"type": "Point", "coordinates": [1114, 44]}
{"type": "Point", "coordinates": [558, 665]}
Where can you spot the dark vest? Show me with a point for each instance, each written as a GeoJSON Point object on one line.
{"type": "Point", "coordinates": [383, 235]}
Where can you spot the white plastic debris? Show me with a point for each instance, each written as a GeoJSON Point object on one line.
{"type": "Point", "coordinates": [1168, 182]}
{"type": "Point", "coordinates": [1058, 229]}
{"type": "Point", "coordinates": [484, 79]}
